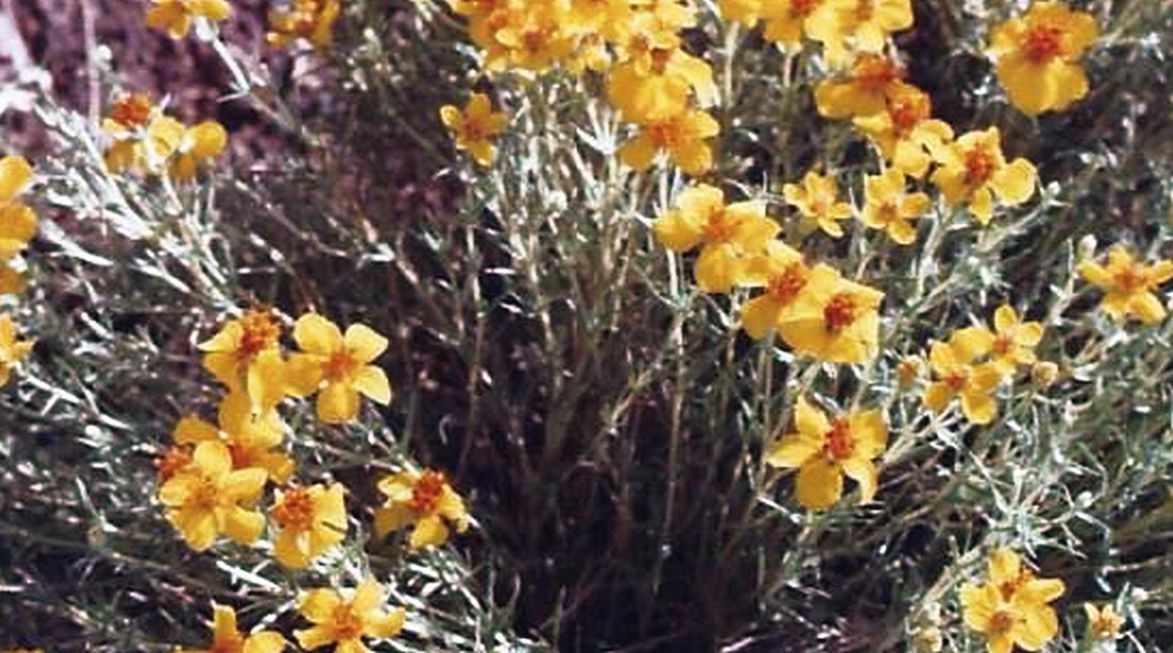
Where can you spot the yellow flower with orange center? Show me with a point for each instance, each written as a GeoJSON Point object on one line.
{"type": "Point", "coordinates": [243, 355]}
{"type": "Point", "coordinates": [12, 348]}
{"type": "Point", "coordinates": [888, 206]}
{"type": "Point", "coordinates": [345, 618]}
{"type": "Point", "coordinates": [1037, 56]}
{"type": "Point", "coordinates": [863, 91]}
{"type": "Point", "coordinates": [682, 136]}
{"type": "Point", "coordinates": [310, 20]}
{"type": "Point", "coordinates": [780, 272]}
{"type": "Point", "coordinates": [657, 85]}
{"type": "Point", "coordinates": [129, 115]}
{"type": "Point", "coordinates": [309, 520]}
{"type": "Point", "coordinates": [1011, 607]}
{"type": "Point", "coordinates": [474, 128]}
{"type": "Point", "coordinates": [208, 497]}
{"type": "Point", "coordinates": [904, 131]}
{"type": "Point", "coordinates": [959, 375]}
{"type": "Point", "coordinates": [336, 366]}
{"type": "Point", "coordinates": [18, 222]}
{"type": "Point", "coordinates": [1014, 341]}
{"type": "Point", "coordinates": [251, 438]}
{"type": "Point", "coordinates": [175, 16]}
{"type": "Point", "coordinates": [532, 38]}
{"type": "Point", "coordinates": [844, 26]}
{"type": "Point", "coordinates": [424, 500]}
{"type": "Point", "coordinates": [825, 450]}
{"type": "Point", "coordinates": [972, 169]}
{"type": "Point", "coordinates": [787, 20]}
{"type": "Point", "coordinates": [817, 201]}
{"type": "Point", "coordinates": [227, 639]}
{"type": "Point", "coordinates": [1103, 623]}
{"type": "Point", "coordinates": [1129, 285]}
{"type": "Point", "coordinates": [726, 234]}
{"type": "Point", "coordinates": [833, 319]}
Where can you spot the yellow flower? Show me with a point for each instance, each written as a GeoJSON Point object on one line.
{"type": "Point", "coordinates": [128, 115]}
{"type": "Point", "coordinates": [243, 355]}
{"type": "Point", "coordinates": [817, 200]}
{"type": "Point", "coordinates": [203, 141]}
{"type": "Point", "coordinates": [833, 319]}
{"type": "Point", "coordinates": [863, 91]}
{"type": "Point", "coordinates": [904, 132]}
{"type": "Point", "coordinates": [310, 521]}
{"type": "Point", "coordinates": [227, 639]}
{"type": "Point", "coordinates": [1103, 623]}
{"type": "Point", "coordinates": [204, 499]}
{"type": "Point", "coordinates": [860, 25]}
{"type": "Point", "coordinates": [683, 136]}
{"type": "Point", "coordinates": [781, 272]}
{"type": "Point", "coordinates": [345, 621]}
{"type": "Point", "coordinates": [12, 349]}
{"type": "Point", "coordinates": [474, 128]}
{"type": "Point", "coordinates": [250, 439]}
{"type": "Point", "coordinates": [339, 365]}
{"type": "Point", "coordinates": [1129, 286]}
{"type": "Point", "coordinates": [532, 38]}
{"type": "Point", "coordinates": [656, 86]}
{"type": "Point", "coordinates": [825, 450]}
{"type": "Point", "coordinates": [1037, 56]}
{"type": "Point", "coordinates": [787, 20]}
{"type": "Point", "coordinates": [424, 499]}
{"type": "Point", "coordinates": [312, 20]}
{"type": "Point", "coordinates": [889, 207]}
{"type": "Point", "coordinates": [958, 375]}
{"type": "Point", "coordinates": [1014, 341]}
{"type": "Point", "coordinates": [973, 169]}
{"type": "Point", "coordinates": [18, 222]}
{"type": "Point", "coordinates": [725, 233]}
{"type": "Point", "coordinates": [1010, 608]}
{"type": "Point", "coordinates": [175, 16]}
{"type": "Point", "coordinates": [909, 370]}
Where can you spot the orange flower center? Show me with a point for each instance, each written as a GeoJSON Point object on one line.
{"type": "Point", "coordinates": [837, 441]}
{"type": "Point", "coordinates": [839, 313]}
{"type": "Point", "coordinates": [1042, 42]}
{"type": "Point", "coordinates": [426, 492]}
{"type": "Point", "coordinates": [955, 380]}
{"type": "Point", "coordinates": [1010, 586]}
{"type": "Point", "coordinates": [786, 286]}
{"type": "Point", "coordinates": [907, 110]}
{"type": "Point", "coordinates": [172, 460]}
{"type": "Point", "coordinates": [874, 72]}
{"type": "Point", "coordinates": [131, 109]}
{"type": "Point", "coordinates": [802, 8]}
{"type": "Point", "coordinates": [717, 229]}
{"type": "Point", "coordinates": [205, 494]}
{"type": "Point", "coordinates": [347, 624]}
{"type": "Point", "coordinates": [258, 332]}
{"type": "Point", "coordinates": [295, 511]}
{"type": "Point", "coordinates": [660, 59]}
{"type": "Point", "coordinates": [534, 39]}
{"type": "Point", "coordinates": [472, 129]}
{"type": "Point", "coordinates": [1001, 622]}
{"type": "Point", "coordinates": [1002, 344]}
{"type": "Point", "coordinates": [979, 166]}
{"type": "Point", "coordinates": [864, 10]}
{"type": "Point", "coordinates": [889, 211]}
{"type": "Point", "coordinates": [340, 365]}
{"type": "Point", "coordinates": [1131, 278]}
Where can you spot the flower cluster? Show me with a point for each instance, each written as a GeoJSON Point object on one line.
{"type": "Point", "coordinates": [1011, 607]}
{"type": "Point", "coordinates": [18, 225]}
{"type": "Point", "coordinates": [142, 138]}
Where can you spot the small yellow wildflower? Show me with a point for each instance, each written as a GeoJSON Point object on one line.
{"type": "Point", "coordinates": [782, 274]}
{"type": "Point", "coordinates": [787, 20]}
{"type": "Point", "coordinates": [725, 233]}
{"type": "Point", "coordinates": [817, 200]}
{"type": "Point", "coordinates": [1014, 341]}
{"type": "Point", "coordinates": [656, 86]}
{"type": "Point", "coordinates": [243, 355]}
{"type": "Point", "coordinates": [909, 369]}
{"type": "Point", "coordinates": [12, 349]}
{"type": "Point", "coordinates": [843, 26]}
{"type": "Point", "coordinates": [424, 499]}
{"type": "Point", "coordinates": [973, 169]}
{"type": "Point", "coordinates": [345, 621]}
{"type": "Point", "coordinates": [1037, 56]}
{"type": "Point", "coordinates": [825, 450]}
{"type": "Point", "coordinates": [1010, 608]}
{"type": "Point", "coordinates": [175, 16]}
{"type": "Point", "coordinates": [1043, 374]}
{"type": "Point", "coordinates": [311, 20]}
{"type": "Point", "coordinates": [1129, 286]}
{"type": "Point", "coordinates": [251, 439]}
{"type": "Point", "coordinates": [958, 375]}
{"type": "Point", "coordinates": [682, 136]}
{"type": "Point", "coordinates": [889, 207]}
{"type": "Point", "coordinates": [532, 37]}
{"type": "Point", "coordinates": [904, 131]}
{"type": "Point", "coordinates": [227, 639]}
{"type": "Point", "coordinates": [198, 144]}
{"type": "Point", "coordinates": [310, 521]}
{"type": "Point", "coordinates": [128, 115]}
{"type": "Point", "coordinates": [862, 92]}
{"type": "Point", "coordinates": [18, 222]}
{"type": "Point", "coordinates": [833, 319]}
{"type": "Point", "coordinates": [337, 366]}
{"type": "Point", "coordinates": [1103, 623]}
{"type": "Point", "coordinates": [204, 499]}
{"type": "Point", "coordinates": [474, 127]}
